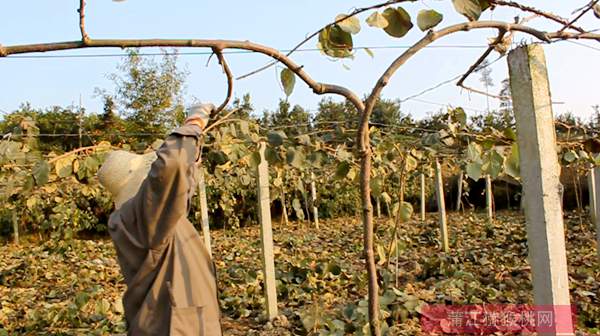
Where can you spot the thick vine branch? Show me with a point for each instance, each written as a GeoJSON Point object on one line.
{"type": "Point", "coordinates": [227, 72]}
{"type": "Point", "coordinates": [84, 36]}
{"type": "Point", "coordinates": [317, 87]}
{"type": "Point", "coordinates": [311, 36]}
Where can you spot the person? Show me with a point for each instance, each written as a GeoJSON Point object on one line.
{"type": "Point", "coordinates": [170, 277]}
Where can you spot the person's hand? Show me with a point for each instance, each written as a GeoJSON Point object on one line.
{"type": "Point", "coordinates": [199, 114]}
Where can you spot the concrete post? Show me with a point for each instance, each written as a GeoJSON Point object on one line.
{"type": "Point", "coordinates": [313, 194]}
{"type": "Point", "coordinates": [489, 198]}
{"type": "Point", "coordinates": [266, 234]}
{"type": "Point", "coordinates": [540, 173]}
{"type": "Point", "coordinates": [439, 192]}
{"type": "Point", "coordinates": [204, 210]}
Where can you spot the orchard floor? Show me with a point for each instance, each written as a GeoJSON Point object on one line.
{"type": "Point", "coordinates": [74, 288]}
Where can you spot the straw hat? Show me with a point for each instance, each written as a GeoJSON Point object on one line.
{"type": "Point", "coordinates": [123, 172]}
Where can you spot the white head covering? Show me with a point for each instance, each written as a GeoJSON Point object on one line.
{"type": "Point", "coordinates": [123, 172]}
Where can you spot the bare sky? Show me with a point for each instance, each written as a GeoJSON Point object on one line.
{"type": "Point", "coordinates": [573, 68]}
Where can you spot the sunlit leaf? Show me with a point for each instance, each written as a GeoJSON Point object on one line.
{"type": "Point", "coordinates": [474, 152]}
{"type": "Point", "coordinates": [399, 22]}
{"type": "Point", "coordinates": [350, 24]}
{"type": "Point", "coordinates": [406, 211]}
{"type": "Point", "coordinates": [496, 163]}
{"type": "Point", "coordinates": [64, 167]}
{"type": "Point", "coordinates": [474, 170]}
{"type": "Point", "coordinates": [471, 9]}
{"type": "Point", "coordinates": [377, 20]}
{"type": "Point", "coordinates": [376, 186]}
{"type": "Point", "coordinates": [512, 165]}
{"type": "Point", "coordinates": [288, 80]}
{"type": "Point", "coordinates": [335, 42]}
{"type": "Point", "coordinates": [428, 19]}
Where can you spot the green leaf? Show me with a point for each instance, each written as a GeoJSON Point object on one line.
{"type": "Point", "coordinates": [386, 197]}
{"type": "Point", "coordinates": [496, 164]}
{"type": "Point", "coordinates": [474, 152]}
{"type": "Point", "coordinates": [399, 22]}
{"type": "Point", "coordinates": [570, 156]}
{"type": "Point", "coordinates": [272, 156]}
{"type": "Point", "coordinates": [40, 172]}
{"type": "Point", "coordinates": [64, 167]}
{"type": "Point", "coordinates": [406, 211]}
{"type": "Point", "coordinates": [411, 163]}
{"type": "Point", "coordinates": [484, 4]}
{"type": "Point", "coordinates": [369, 52]}
{"type": "Point", "coordinates": [471, 9]}
{"type": "Point", "coordinates": [377, 20]}
{"type": "Point", "coordinates": [255, 160]}
{"type": "Point", "coordinates": [510, 133]}
{"type": "Point", "coordinates": [342, 170]}
{"type": "Point", "coordinates": [377, 186]}
{"type": "Point", "coordinates": [288, 80]}
{"type": "Point", "coordinates": [428, 19]}
{"type": "Point", "coordinates": [350, 24]}
{"type": "Point", "coordinates": [87, 168]}
{"type": "Point", "coordinates": [512, 164]}
{"type": "Point", "coordinates": [335, 42]}
{"type": "Point", "coordinates": [275, 138]}
{"type": "Point", "coordinates": [459, 115]}
{"type": "Point", "coordinates": [474, 170]}
{"type": "Point", "coordinates": [295, 158]}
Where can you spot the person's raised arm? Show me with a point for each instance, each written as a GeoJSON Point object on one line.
{"type": "Point", "coordinates": [163, 197]}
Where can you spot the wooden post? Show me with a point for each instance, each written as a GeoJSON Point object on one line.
{"type": "Point", "coordinates": [266, 234]}
{"type": "Point", "coordinates": [592, 194]}
{"type": "Point", "coordinates": [489, 198]}
{"type": "Point", "coordinates": [204, 210]}
{"type": "Point", "coordinates": [313, 193]}
{"type": "Point", "coordinates": [422, 196]}
{"type": "Point", "coordinates": [540, 173]}
{"type": "Point", "coordinates": [597, 206]}
{"type": "Point", "coordinates": [439, 192]}
{"type": "Point", "coordinates": [459, 193]}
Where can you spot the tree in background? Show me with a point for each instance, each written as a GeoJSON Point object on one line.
{"type": "Point", "coordinates": [244, 107]}
{"type": "Point", "coordinates": [286, 115]}
{"type": "Point", "coordinates": [149, 94]}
